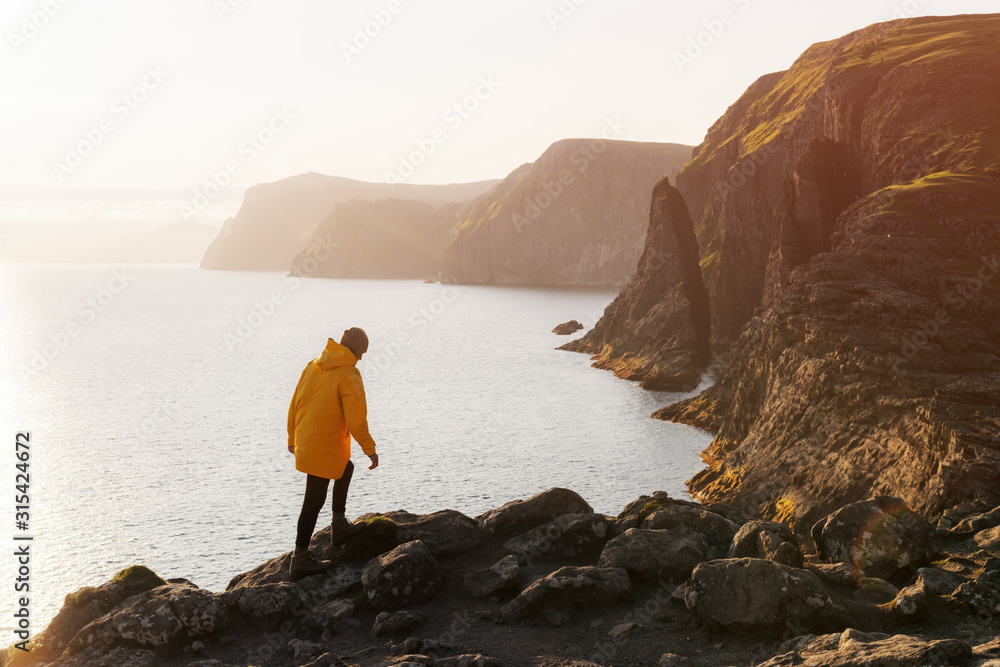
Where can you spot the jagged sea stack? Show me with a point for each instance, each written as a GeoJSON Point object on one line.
{"type": "Point", "coordinates": [657, 329]}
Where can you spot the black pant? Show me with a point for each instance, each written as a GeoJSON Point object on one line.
{"type": "Point", "coordinates": [316, 488]}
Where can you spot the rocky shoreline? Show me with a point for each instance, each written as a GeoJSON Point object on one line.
{"type": "Point", "coordinates": [546, 581]}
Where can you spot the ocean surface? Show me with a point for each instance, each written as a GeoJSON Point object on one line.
{"type": "Point", "coordinates": [156, 398]}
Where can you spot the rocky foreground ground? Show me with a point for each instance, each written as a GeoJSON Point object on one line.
{"type": "Point", "coordinates": [547, 582]}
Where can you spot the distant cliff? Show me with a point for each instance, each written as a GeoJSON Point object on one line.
{"type": "Point", "coordinates": [576, 216]}
{"type": "Point", "coordinates": [848, 218]}
{"type": "Point", "coordinates": [390, 238]}
{"type": "Point", "coordinates": [277, 220]}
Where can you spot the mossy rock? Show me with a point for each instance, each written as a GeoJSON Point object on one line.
{"type": "Point", "coordinates": [130, 581]}
{"type": "Point", "coordinates": [651, 507]}
{"type": "Point", "coordinates": [381, 535]}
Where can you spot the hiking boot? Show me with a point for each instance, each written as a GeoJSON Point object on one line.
{"type": "Point", "coordinates": [344, 530]}
{"type": "Point", "coordinates": [304, 564]}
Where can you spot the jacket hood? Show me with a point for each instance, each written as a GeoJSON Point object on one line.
{"type": "Point", "coordinates": [334, 356]}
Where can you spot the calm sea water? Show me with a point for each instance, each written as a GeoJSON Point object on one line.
{"type": "Point", "coordinates": [156, 398]}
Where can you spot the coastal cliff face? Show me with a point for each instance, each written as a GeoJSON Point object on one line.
{"type": "Point", "coordinates": [657, 329]}
{"type": "Point", "coordinates": [875, 370]}
{"type": "Point", "coordinates": [576, 216]}
{"type": "Point", "coordinates": [277, 220]}
{"type": "Point", "coordinates": [390, 238]}
{"type": "Point", "coordinates": [871, 366]}
{"type": "Point", "coordinates": [888, 104]}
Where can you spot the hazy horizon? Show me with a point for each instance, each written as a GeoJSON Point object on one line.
{"type": "Point", "coordinates": [125, 114]}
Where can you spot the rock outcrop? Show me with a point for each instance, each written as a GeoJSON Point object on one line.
{"type": "Point", "coordinates": [855, 200]}
{"type": "Point", "coordinates": [761, 596]}
{"type": "Point", "coordinates": [657, 328]}
{"type": "Point", "coordinates": [277, 220]}
{"type": "Point", "coordinates": [575, 216]}
{"type": "Point", "coordinates": [479, 606]}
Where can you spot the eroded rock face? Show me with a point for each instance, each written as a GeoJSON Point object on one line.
{"type": "Point", "coordinates": [405, 576]}
{"type": "Point", "coordinates": [880, 538]}
{"type": "Point", "coordinates": [162, 616]}
{"type": "Point", "coordinates": [761, 596]}
{"type": "Point", "coordinates": [90, 603]}
{"type": "Point", "coordinates": [569, 588]}
{"type": "Point", "coordinates": [657, 328]}
{"type": "Point", "coordinates": [865, 229]}
{"type": "Point", "coordinates": [520, 516]}
{"type": "Point", "coordinates": [836, 392]}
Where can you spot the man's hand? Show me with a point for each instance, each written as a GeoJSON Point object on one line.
{"type": "Point", "coordinates": [374, 458]}
{"type": "Point", "coordinates": [291, 449]}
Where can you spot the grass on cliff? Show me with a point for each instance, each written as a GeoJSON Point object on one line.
{"type": "Point", "coordinates": [944, 46]}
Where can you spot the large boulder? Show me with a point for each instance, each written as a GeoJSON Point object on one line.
{"type": "Point", "coordinates": [854, 649]}
{"type": "Point", "coordinates": [682, 518]}
{"type": "Point", "coordinates": [762, 597]}
{"type": "Point", "coordinates": [267, 605]}
{"type": "Point", "coordinates": [90, 603]}
{"type": "Point", "coordinates": [568, 537]}
{"type": "Point", "coordinates": [881, 538]}
{"type": "Point", "coordinates": [980, 597]}
{"type": "Point", "coordinates": [913, 603]}
{"type": "Point", "coordinates": [519, 516]}
{"type": "Point", "coordinates": [444, 533]}
{"type": "Point", "coordinates": [570, 588]}
{"type": "Point", "coordinates": [567, 328]}
{"type": "Point", "coordinates": [169, 614]}
{"type": "Point", "coordinates": [405, 576]}
{"type": "Point", "coordinates": [653, 555]}
{"type": "Point", "coordinates": [769, 540]}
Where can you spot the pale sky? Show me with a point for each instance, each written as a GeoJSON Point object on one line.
{"type": "Point", "coordinates": [166, 93]}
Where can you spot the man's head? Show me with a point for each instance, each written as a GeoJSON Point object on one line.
{"type": "Point", "coordinates": [356, 340]}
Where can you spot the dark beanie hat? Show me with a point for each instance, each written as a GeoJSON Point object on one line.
{"type": "Point", "coordinates": [356, 340]}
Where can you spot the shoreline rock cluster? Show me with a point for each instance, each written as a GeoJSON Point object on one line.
{"type": "Point", "coordinates": [547, 581]}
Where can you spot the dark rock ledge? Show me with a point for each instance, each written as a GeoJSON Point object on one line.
{"type": "Point", "coordinates": [546, 581]}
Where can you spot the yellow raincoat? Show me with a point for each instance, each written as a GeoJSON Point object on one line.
{"type": "Point", "coordinates": [328, 407]}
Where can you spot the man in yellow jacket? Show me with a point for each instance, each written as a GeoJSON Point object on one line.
{"type": "Point", "coordinates": [328, 407]}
